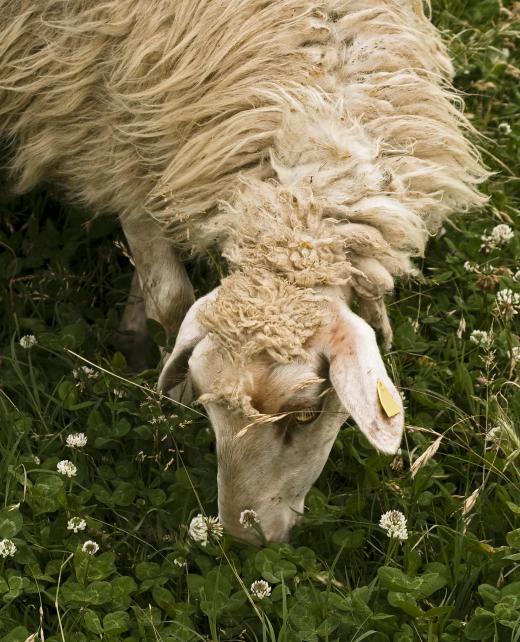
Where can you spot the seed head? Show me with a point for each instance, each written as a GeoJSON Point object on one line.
{"type": "Point", "coordinates": [90, 547]}
{"type": "Point", "coordinates": [248, 518]}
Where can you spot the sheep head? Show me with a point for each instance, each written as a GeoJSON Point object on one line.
{"type": "Point", "coordinates": [276, 409]}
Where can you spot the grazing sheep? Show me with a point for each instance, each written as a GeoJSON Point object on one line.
{"type": "Point", "coordinates": [317, 144]}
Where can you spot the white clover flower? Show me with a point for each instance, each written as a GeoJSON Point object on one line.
{"type": "Point", "coordinates": [66, 467]}
{"type": "Point", "coordinates": [215, 528]}
{"type": "Point", "coordinates": [161, 419]}
{"type": "Point", "coordinates": [500, 235]}
{"type": "Point", "coordinates": [90, 373]}
{"type": "Point", "coordinates": [248, 518]}
{"type": "Point", "coordinates": [471, 267]}
{"type": "Point", "coordinates": [507, 303]}
{"type": "Point", "coordinates": [201, 528]}
{"type": "Point", "coordinates": [394, 523]}
{"type": "Point", "coordinates": [504, 128]}
{"type": "Point", "coordinates": [76, 524]}
{"type": "Point", "coordinates": [7, 548]}
{"type": "Point", "coordinates": [28, 341]}
{"type": "Point", "coordinates": [90, 547]}
{"type": "Point", "coordinates": [260, 589]}
{"type": "Point", "coordinates": [481, 338]}
{"type": "Point", "coordinates": [198, 530]}
{"type": "Point", "coordinates": [76, 440]}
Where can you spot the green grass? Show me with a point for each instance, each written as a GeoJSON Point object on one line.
{"type": "Point", "coordinates": [147, 468]}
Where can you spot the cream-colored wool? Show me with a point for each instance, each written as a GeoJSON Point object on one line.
{"type": "Point", "coordinates": [314, 142]}
{"type": "Point", "coordinates": [261, 312]}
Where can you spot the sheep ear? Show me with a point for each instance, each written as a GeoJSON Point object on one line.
{"type": "Point", "coordinates": [361, 382]}
{"type": "Point", "coordinates": [190, 334]}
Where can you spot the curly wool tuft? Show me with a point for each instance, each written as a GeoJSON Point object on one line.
{"type": "Point", "coordinates": [261, 312]}
{"type": "Point", "coordinates": [285, 235]}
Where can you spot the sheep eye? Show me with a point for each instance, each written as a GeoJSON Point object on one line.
{"type": "Point", "coordinates": [306, 416]}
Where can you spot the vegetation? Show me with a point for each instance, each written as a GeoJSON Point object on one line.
{"type": "Point", "coordinates": [99, 549]}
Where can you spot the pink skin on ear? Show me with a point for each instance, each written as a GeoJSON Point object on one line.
{"type": "Point", "coordinates": [355, 368]}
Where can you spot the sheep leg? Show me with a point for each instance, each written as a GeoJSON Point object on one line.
{"type": "Point", "coordinates": [161, 289]}
{"type": "Point", "coordinates": [132, 336]}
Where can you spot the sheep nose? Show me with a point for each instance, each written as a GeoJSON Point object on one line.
{"type": "Point", "coordinates": [278, 527]}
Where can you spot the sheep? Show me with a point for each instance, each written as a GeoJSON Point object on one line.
{"type": "Point", "coordinates": [317, 144]}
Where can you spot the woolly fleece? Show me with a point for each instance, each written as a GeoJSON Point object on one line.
{"type": "Point", "coordinates": [314, 143]}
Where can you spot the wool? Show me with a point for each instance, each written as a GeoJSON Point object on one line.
{"type": "Point", "coordinates": [314, 142]}
{"type": "Point", "coordinates": [261, 312]}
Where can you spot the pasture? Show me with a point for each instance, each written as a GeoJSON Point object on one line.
{"type": "Point", "coordinates": [99, 547]}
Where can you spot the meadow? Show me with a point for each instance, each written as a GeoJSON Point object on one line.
{"type": "Point", "coordinates": [100, 478]}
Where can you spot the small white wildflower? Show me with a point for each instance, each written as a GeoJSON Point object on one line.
{"type": "Point", "coordinates": [36, 460]}
{"type": "Point", "coordinates": [76, 440]}
{"type": "Point", "coordinates": [198, 530]}
{"type": "Point", "coordinates": [248, 518]}
{"type": "Point", "coordinates": [179, 561]}
{"type": "Point", "coordinates": [90, 547]}
{"type": "Point", "coordinates": [158, 420]}
{"type": "Point", "coordinates": [504, 128]}
{"type": "Point", "coordinates": [471, 267]}
{"type": "Point", "coordinates": [516, 276]}
{"type": "Point", "coordinates": [76, 524]}
{"type": "Point", "coordinates": [118, 393]}
{"type": "Point", "coordinates": [481, 338]}
{"type": "Point", "coordinates": [500, 235]}
{"type": "Point", "coordinates": [90, 373]}
{"type": "Point", "coordinates": [28, 341]}
{"type": "Point", "coordinates": [260, 589]}
{"type": "Point", "coordinates": [7, 548]}
{"type": "Point", "coordinates": [66, 467]}
{"type": "Point", "coordinates": [394, 523]}
{"type": "Point", "coordinates": [201, 528]}
{"type": "Point", "coordinates": [507, 303]}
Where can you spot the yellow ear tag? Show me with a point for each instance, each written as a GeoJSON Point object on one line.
{"type": "Point", "coordinates": [390, 406]}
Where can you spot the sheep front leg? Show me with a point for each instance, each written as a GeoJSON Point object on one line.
{"type": "Point", "coordinates": [161, 289]}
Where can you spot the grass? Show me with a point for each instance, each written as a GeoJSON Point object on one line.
{"type": "Point", "coordinates": [148, 468]}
